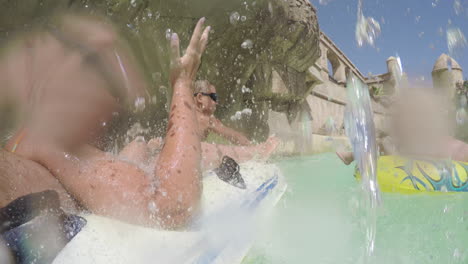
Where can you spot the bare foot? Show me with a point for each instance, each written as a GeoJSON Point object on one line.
{"type": "Point", "coordinates": [346, 157]}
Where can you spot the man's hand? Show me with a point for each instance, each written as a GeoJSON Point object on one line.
{"type": "Point", "coordinates": [186, 67]}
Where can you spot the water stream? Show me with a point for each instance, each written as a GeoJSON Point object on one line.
{"type": "Point", "coordinates": [359, 125]}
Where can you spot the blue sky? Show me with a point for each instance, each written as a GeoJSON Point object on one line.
{"type": "Point", "coordinates": [413, 29]}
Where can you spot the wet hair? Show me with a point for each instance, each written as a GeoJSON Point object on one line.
{"type": "Point", "coordinates": [201, 86]}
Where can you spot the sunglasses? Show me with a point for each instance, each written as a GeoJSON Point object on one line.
{"type": "Point", "coordinates": [213, 96]}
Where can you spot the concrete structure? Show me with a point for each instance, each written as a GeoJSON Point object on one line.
{"type": "Point", "coordinates": [446, 74]}
{"type": "Point", "coordinates": [326, 103]}
{"type": "Point", "coordinates": [319, 124]}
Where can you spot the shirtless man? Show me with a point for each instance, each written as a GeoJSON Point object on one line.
{"type": "Point", "coordinates": [206, 100]}
{"type": "Point", "coordinates": [419, 128]}
{"type": "Point", "coordinates": [71, 80]}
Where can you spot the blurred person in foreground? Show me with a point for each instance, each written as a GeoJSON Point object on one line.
{"type": "Point", "coordinates": [69, 80]}
{"type": "Point", "coordinates": [420, 127]}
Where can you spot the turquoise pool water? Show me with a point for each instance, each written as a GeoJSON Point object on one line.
{"type": "Point", "coordinates": [320, 220]}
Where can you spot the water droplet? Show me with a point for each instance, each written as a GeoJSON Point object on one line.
{"type": "Point", "coordinates": [234, 18]}
{"type": "Point", "coordinates": [458, 7]}
{"type": "Point", "coordinates": [152, 207]}
{"type": "Point", "coordinates": [270, 8]}
{"type": "Point", "coordinates": [463, 101]}
{"type": "Point", "coordinates": [247, 44]}
{"type": "Point", "coordinates": [324, 2]}
{"type": "Point", "coordinates": [156, 15]}
{"type": "Point", "coordinates": [168, 33]}
{"type": "Point", "coordinates": [243, 18]}
{"type": "Point", "coordinates": [247, 111]}
{"type": "Point", "coordinates": [461, 116]}
{"type": "Point", "coordinates": [367, 28]}
{"type": "Point", "coordinates": [131, 26]}
{"type": "Point", "coordinates": [236, 116]}
{"type": "Point", "coordinates": [140, 139]}
{"type": "Point", "coordinates": [456, 41]}
{"type": "Point", "coordinates": [246, 89]}
{"type": "Point", "coordinates": [140, 104]}
{"type": "Point", "coordinates": [440, 31]}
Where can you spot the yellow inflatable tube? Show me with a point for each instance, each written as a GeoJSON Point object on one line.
{"type": "Point", "coordinates": [400, 175]}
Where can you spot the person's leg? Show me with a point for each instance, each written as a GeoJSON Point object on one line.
{"type": "Point", "coordinates": [19, 177]}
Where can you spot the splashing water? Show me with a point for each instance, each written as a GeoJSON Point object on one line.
{"type": "Point", "coordinates": [456, 42]}
{"type": "Point", "coordinates": [397, 69]}
{"type": "Point", "coordinates": [324, 2]}
{"type": "Point", "coordinates": [168, 33]}
{"type": "Point", "coordinates": [367, 28]}
{"type": "Point", "coordinates": [360, 129]}
{"type": "Point", "coordinates": [457, 7]}
{"type": "Point", "coordinates": [239, 114]}
{"type": "Point", "coordinates": [247, 44]}
{"type": "Point", "coordinates": [246, 89]}
{"type": "Point", "coordinates": [234, 18]}
{"type": "Point", "coordinates": [462, 115]}
{"type": "Point", "coordinates": [140, 104]}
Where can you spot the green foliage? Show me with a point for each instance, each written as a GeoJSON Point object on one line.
{"type": "Point", "coordinates": [376, 91]}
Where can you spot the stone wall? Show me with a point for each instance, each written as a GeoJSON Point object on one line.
{"type": "Point", "coordinates": [319, 124]}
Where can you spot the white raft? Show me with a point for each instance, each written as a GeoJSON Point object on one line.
{"type": "Point", "coordinates": [107, 241]}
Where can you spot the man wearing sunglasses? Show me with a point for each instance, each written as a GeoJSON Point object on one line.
{"type": "Point", "coordinates": [206, 101]}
